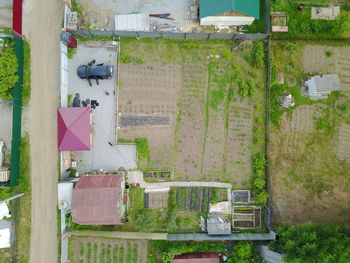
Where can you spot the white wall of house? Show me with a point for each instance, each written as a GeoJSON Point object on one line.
{"type": "Point", "coordinates": [226, 20]}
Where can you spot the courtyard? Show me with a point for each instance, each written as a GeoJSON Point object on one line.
{"type": "Point", "coordinates": [104, 153]}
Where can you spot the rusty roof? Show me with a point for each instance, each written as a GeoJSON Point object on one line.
{"type": "Point", "coordinates": [97, 200]}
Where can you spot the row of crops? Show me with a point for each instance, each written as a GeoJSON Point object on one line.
{"type": "Point", "coordinates": [107, 253]}
{"type": "Point", "coordinates": [193, 199]}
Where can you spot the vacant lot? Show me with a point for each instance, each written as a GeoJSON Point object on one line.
{"type": "Point", "coordinates": [214, 98]}
{"type": "Point", "coordinates": [104, 250]}
{"type": "Point", "coordinates": [309, 163]}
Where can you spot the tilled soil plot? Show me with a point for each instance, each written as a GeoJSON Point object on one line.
{"type": "Point", "coordinates": [191, 133]}
{"type": "Point", "coordinates": [316, 61]}
{"type": "Point", "coordinates": [99, 250]}
{"type": "Point", "coordinates": [239, 138]}
{"type": "Point", "coordinates": [150, 90]}
{"type": "Point", "coordinates": [343, 147]}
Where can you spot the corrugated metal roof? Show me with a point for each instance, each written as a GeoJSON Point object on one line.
{"type": "Point", "coordinates": [215, 7]}
{"type": "Point", "coordinates": [96, 200]}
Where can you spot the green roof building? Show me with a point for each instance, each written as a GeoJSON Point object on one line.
{"type": "Point", "coordinates": [228, 12]}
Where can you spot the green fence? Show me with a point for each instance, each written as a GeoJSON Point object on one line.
{"type": "Point", "coordinates": [17, 115]}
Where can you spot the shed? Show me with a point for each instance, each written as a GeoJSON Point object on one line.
{"type": "Point", "coordinates": [228, 12]}
{"type": "Point", "coordinates": [5, 233]}
{"type": "Point", "coordinates": [218, 225]}
{"type": "Point", "coordinates": [132, 22]}
{"type": "Point", "coordinates": [65, 193]}
{"type": "Point", "coordinates": [270, 256]}
{"type": "Point", "coordinates": [319, 86]}
{"type": "Point", "coordinates": [74, 129]}
{"type": "Point", "coordinates": [4, 210]}
{"type": "Point", "coordinates": [98, 200]}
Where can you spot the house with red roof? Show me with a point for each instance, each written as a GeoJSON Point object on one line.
{"type": "Point", "coordinates": [99, 200]}
{"type": "Point", "coordinates": [74, 129]}
{"type": "Point", "coordinates": [197, 258]}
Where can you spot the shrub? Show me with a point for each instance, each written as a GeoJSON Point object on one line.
{"type": "Point", "coordinates": [258, 184]}
{"type": "Point", "coordinates": [328, 53]}
{"type": "Point", "coordinates": [310, 243]}
{"type": "Point", "coordinates": [261, 198]}
{"type": "Point", "coordinates": [76, 7]}
{"type": "Point", "coordinates": [8, 70]}
{"type": "Point", "coordinates": [259, 54]}
{"type": "Point", "coordinates": [144, 222]}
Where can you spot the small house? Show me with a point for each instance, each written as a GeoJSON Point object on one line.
{"type": "Point", "coordinates": [218, 225]}
{"type": "Point", "coordinates": [99, 200]}
{"type": "Point", "coordinates": [228, 12]}
{"type": "Point", "coordinates": [320, 86]}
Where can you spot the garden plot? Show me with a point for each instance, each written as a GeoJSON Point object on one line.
{"type": "Point", "coordinates": [303, 119]}
{"type": "Point", "coordinates": [343, 147]}
{"type": "Point", "coordinates": [210, 93]}
{"type": "Point", "coordinates": [193, 199]}
{"type": "Point", "coordinates": [328, 59]}
{"type": "Point", "coordinates": [103, 250]}
{"type": "Point", "coordinates": [192, 128]}
{"type": "Point", "coordinates": [239, 138]}
{"type": "Point", "coordinates": [154, 200]}
{"type": "Point", "coordinates": [309, 183]}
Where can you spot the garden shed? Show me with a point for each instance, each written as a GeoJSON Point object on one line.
{"type": "Point", "coordinates": [74, 129]}
{"type": "Point", "coordinates": [319, 86]}
{"type": "Point", "coordinates": [218, 225]}
{"type": "Point", "coordinates": [228, 12]}
{"type": "Point", "coordinates": [99, 200]}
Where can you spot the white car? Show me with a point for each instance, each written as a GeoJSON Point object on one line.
{"type": "Point", "coordinates": [2, 153]}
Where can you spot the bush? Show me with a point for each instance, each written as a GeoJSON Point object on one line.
{"type": "Point", "coordinates": [8, 70]}
{"type": "Point", "coordinates": [261, 198]}
{"type": "Point", "coordinates": [76, 7]}
{"type": "Point", "coordinates": [258, 184]}
{"type": "Point", "coordinates": [144, 222]}
{"type": "Point", "coordinates": [310, 243]}
{"type": "Point", "coordinates": [259, 54]}
{"type": "Point", "coordinates": [328, 53]}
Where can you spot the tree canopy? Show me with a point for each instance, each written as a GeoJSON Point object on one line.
{"type": "Point", "coordinates": [312, 243]}
{"type": "Point", "coordinates": [8, 70]}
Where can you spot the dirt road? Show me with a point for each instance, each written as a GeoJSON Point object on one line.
{"type": "Point", "coordinates": [41, 25]}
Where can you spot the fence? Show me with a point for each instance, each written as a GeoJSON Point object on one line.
{"type": "Point", "coordinates": [89, 34]}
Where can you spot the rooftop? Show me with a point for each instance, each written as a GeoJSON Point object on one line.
{"type": "Point", "coordinates": [97, 200]}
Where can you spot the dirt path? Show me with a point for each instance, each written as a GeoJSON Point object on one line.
{"type": "Point", "coordinates": [123, 235]}
{"type": "Point", "coordinates": [41, 25]}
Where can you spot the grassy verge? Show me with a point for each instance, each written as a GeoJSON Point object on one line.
{"type": "Point", "coordinates": [143, 155]}
{"type": "Point", "coordinates": [23, 212]}
{"type": "Point", "coordinates": [26, 73]}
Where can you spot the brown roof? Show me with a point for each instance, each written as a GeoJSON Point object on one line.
{"type": "Point", "coordinates": [197, 258]}
{"type": "Point", "coordinates": [96, 200]}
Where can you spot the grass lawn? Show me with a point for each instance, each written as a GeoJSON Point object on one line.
{"type": "Point", "coordinates": [301, 25]}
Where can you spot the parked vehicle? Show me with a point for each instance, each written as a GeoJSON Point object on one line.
{"type": "Point", "coordinates": [99, 71]}
{"type": "Point", "coordinates": [2, 153]}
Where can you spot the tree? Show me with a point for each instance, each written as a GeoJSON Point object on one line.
{"type": "Point", "coordinates": [8, 70]}
{"type": "Point", "coordinates": [310, 243]}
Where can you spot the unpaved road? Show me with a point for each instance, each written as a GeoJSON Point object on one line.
{"type": "Point", "coordinates": [41, 25]}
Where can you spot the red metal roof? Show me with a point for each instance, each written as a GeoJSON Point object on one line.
{"type": "Point", "coordinates": [96, 200]}
{"type": "Point", "coordinates": [197, 258]}
{"type": "Point", "coordinates": [73, 129]}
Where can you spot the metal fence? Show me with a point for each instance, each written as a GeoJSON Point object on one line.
{"type": "Point", "coordinates": [17, 115]}
{"type": "Point", "coordinates": [90, 34]}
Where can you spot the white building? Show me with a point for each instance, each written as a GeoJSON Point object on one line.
{"type": "Point", "coordinates": [320, 86]}
{"type": "Point", "coordinates": [228, 12]}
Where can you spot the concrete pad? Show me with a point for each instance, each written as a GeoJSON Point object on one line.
{"type": "Point", "coordinates": [102, 155]}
